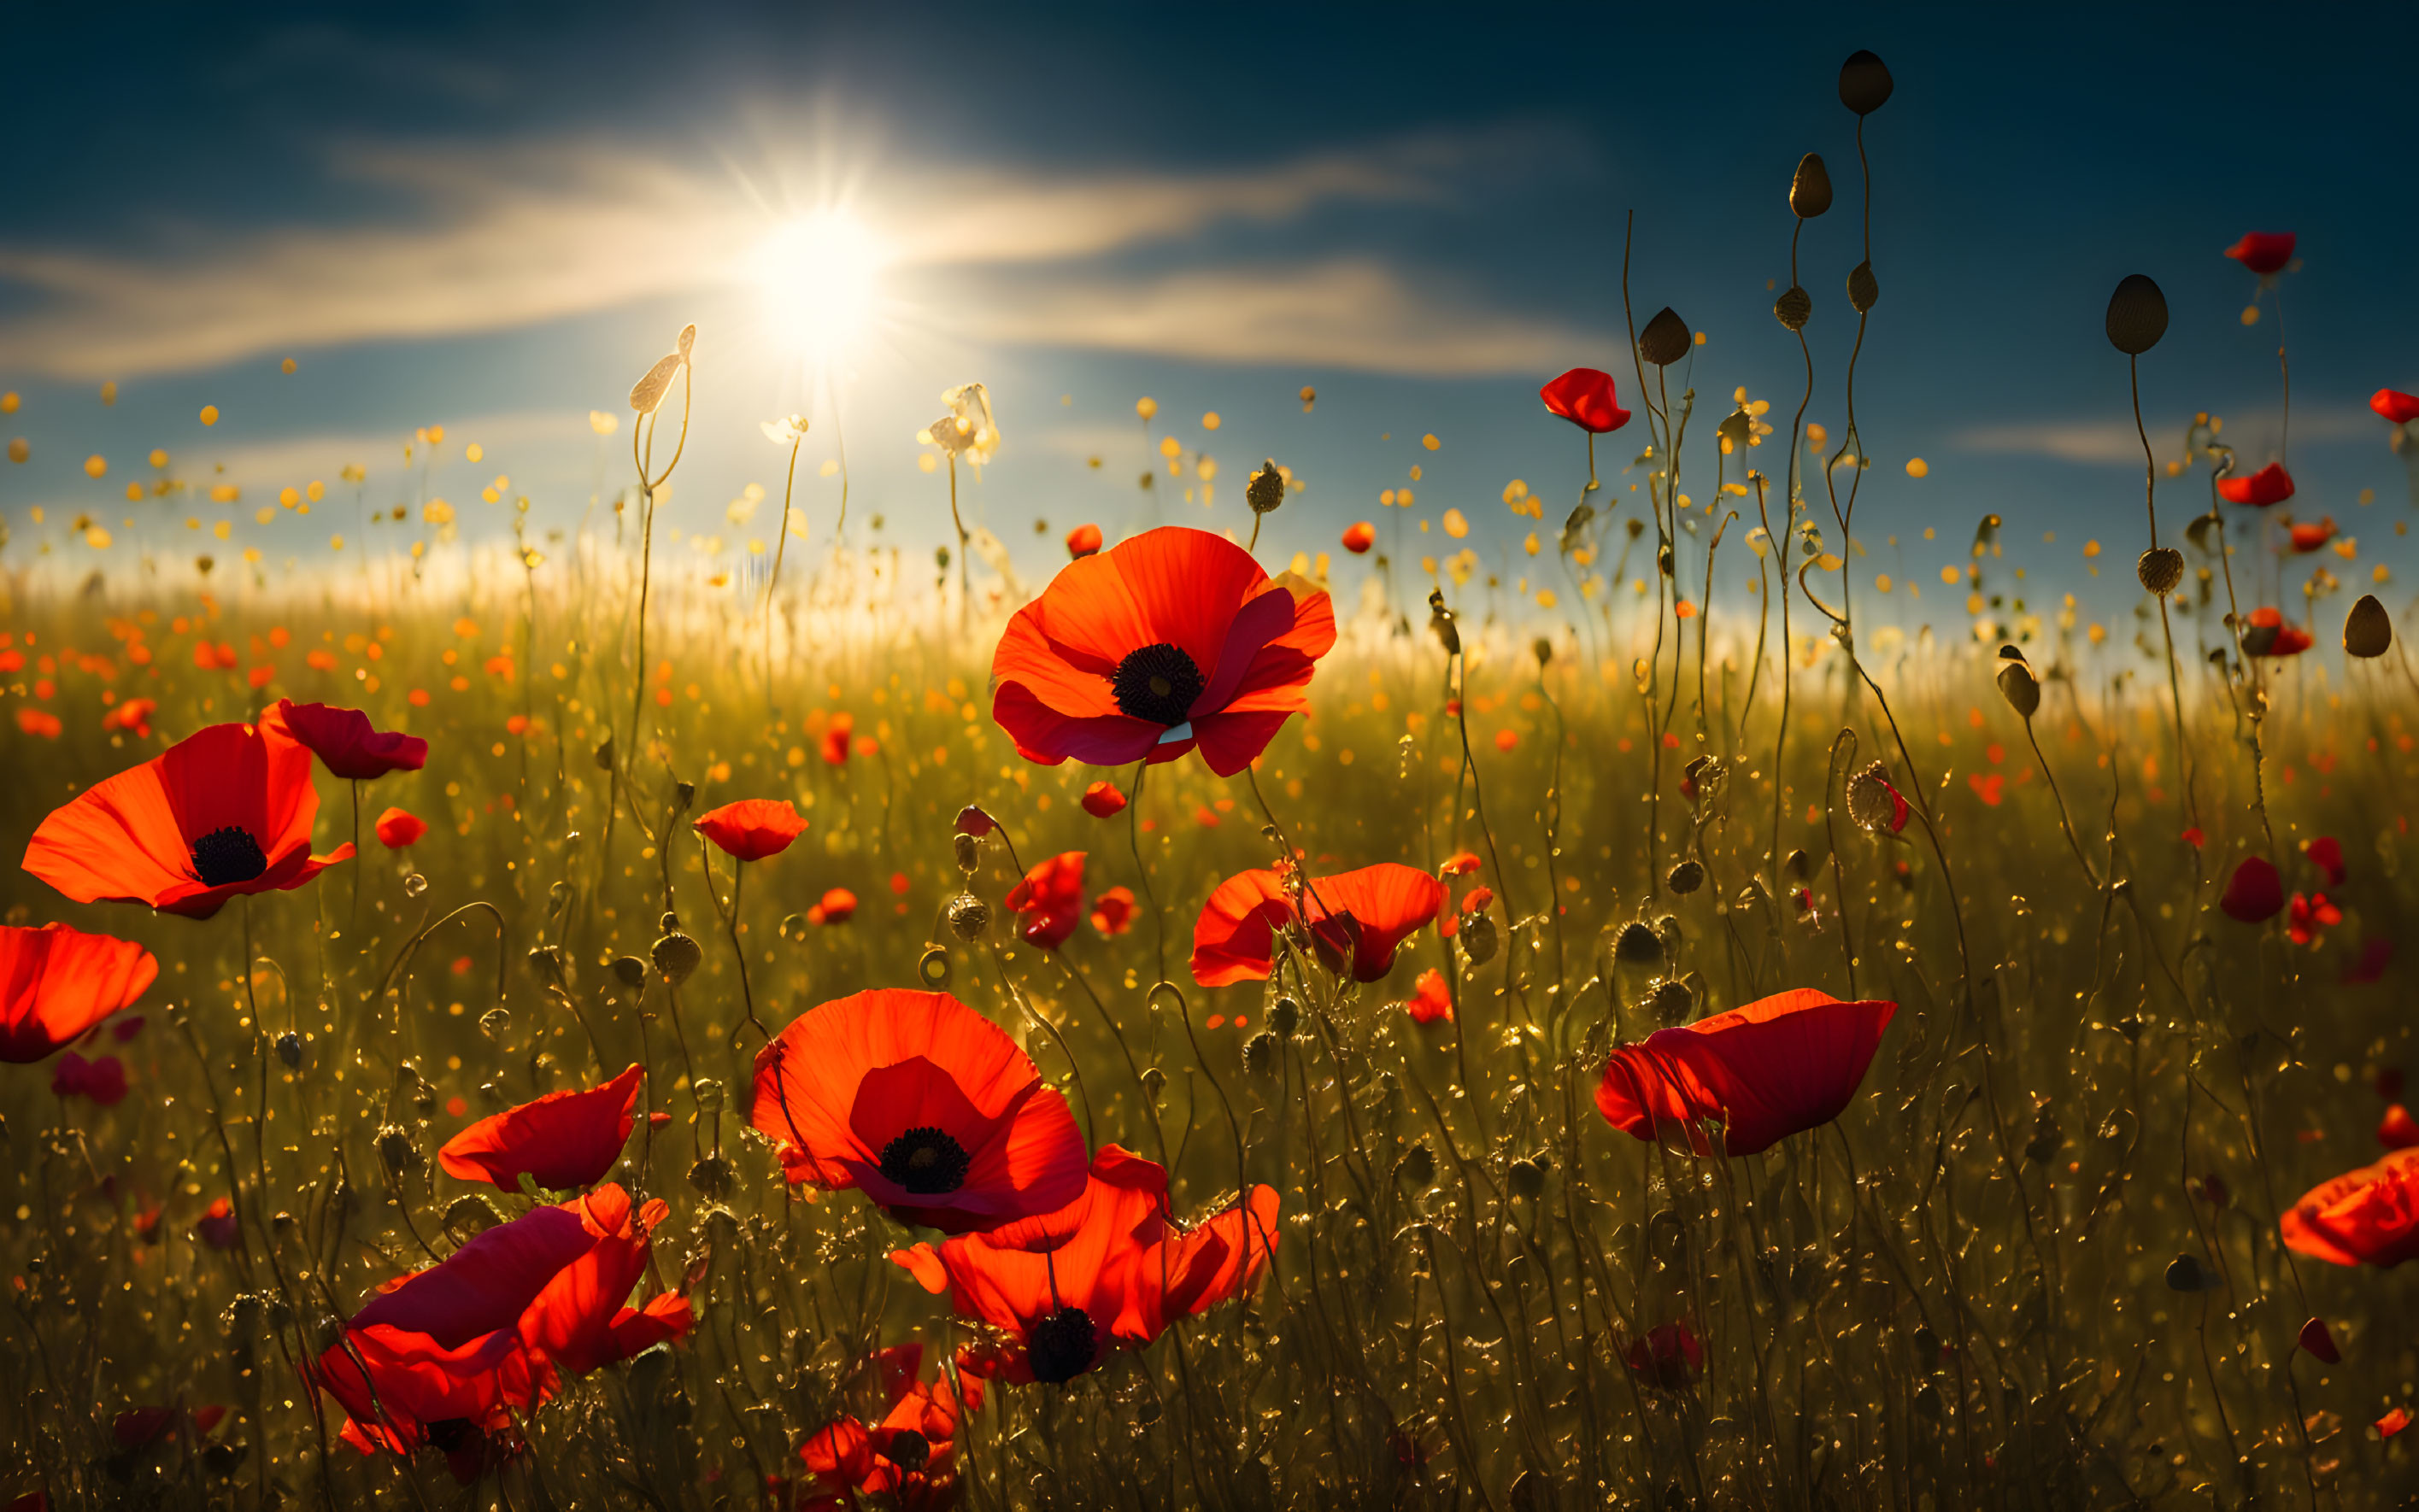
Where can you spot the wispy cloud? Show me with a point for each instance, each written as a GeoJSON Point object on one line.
{"type": "Point", "coordinates": [489, 239]}
{"type": "Point", "coordinates": [2113, 442]}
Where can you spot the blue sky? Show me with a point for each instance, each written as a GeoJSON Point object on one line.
{"type": "Point", "coordinates": [493, 219]}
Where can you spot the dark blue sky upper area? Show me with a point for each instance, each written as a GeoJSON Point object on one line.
{"type": "Point", "coordinates": [2030, 158]}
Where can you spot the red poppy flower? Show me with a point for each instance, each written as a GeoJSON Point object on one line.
{"type": "Point", "coordinates": [1585, 397]}
{"type": "Point", "coordinates": [753, 828]}
{"type": "Point", "coordinates": [1774, 1068]}
{"type": "Point", "coordinates": [906, 1454]}
{"type": "Point", "coordinates": [2254, 893]}
{"type": "Point", "coordinates": [2376, 954]}
{"type": "Point", "coordinates": [103, 1080]}
{"type": "Point", "coordinates": [218, 1226]}
{"type": "Point", "coordinates": [1356, 921]}
{"type": "Point", "coordinates": [836, 739]}
{"type": "Point", "coordinates": [226, 811]}
{"type": "Point", "coordinates": [2364, 1216]}
{"type": "Point", "coordinates": [55, 983]}
{"type": "Point", "coordinates": [1113, 910]}
{"type": "Point", "coordinates": [1430, 1001]}
{"type": "Point", "coordinates": [403, 1391]}
{"type": "Point", "coordinates": [398, 827]}
{"type": "Point", "coordinates": [349, 744]}
{"type": "Point", "coordinates": [140, 1427]}
{"type": "Point", "coordinates": [1168, 640]}
{"type": "Point", "coordinates": [134, 716]}
{"type": "Point", "coordinates": [2311, 916]}
{"type": "Point", "coordinates": [2392, 1421]}
{"type": "Point", "coordinates": [1103, 799]}
{"type": "Point", "coordinates": [925, 1103]}
{"type": "Point", "coordinates": [2397, 1129]}
{"type": "Point", "coordinates": [2326, 854]}
{"type": "Point", "coordinates": [839, 905]}
{"type": "Point", "coordinates": [2270, 484]}
{"type": "Point", "coordinates": [2266, 633]}
{"type": "Point", "coordinates": [1082, 541]}
{"type": "Point", "coordinates": [1358, 537]}
{"type": "Point", "coordinates": [2263, 251]}
{"type": "Point", "coordinates": [2394, 406]}
{"type": "Point", "coordinates": [2318, 1341]}
{"type": "Point", "coordinates": [2307, 535]}
{"type": "Point", "coordinates": [1110, 1268]}
{"type": "Point", "coordinates": [1051, 898]}
{"type": "Point", "coordinates": [562, 1141]}
{"type": "Point", "coordinates": [1460, 863]}
{"type": "Point", "coordinates": [1668, 1356]}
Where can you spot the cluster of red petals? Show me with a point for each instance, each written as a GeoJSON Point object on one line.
{"type": "Point", "coordinates": [1051, 899]}
{"type": "Point", "coordinates": [448, 1355]}
{"type": "Point", "coordinates": [55, 983]}
{"type": "Point", "coordinates": [753, 828]}
{"type": "Point", "coordinates": [837, 906]}
{"type": "Point", "coordinates": [1668, 1356]}
{"type": "Point", "coordinates": [103, 1080]}
{"type": "Point", "coordinates": [131, 838]}
{"type": "Point", "coordinates": [1767, 1070]}
{"type": "Point", "coordinates": [347, 744]}
{"type": "Point", "coordinates": [2366, 1216]}
{"type": "Point", "coordinates": [398, 827]}
{"type": "Point", "coordinates": [1358, 537]}
{"type": "Point", "coordinates": [906, 1454]}
{"type": "Point", "coordinates": [2309, 916]}
{"type": "Point", "coordinates": [2266, 632]}
{"type": "Point", "coordinates": [2263, 251]}
{"type": "Point", "coordinates": [1167, 640]}
{"type": "Point", "coordinates": [2326, 854]}
{"type": "Point", "coordinates": [562, 1141]}
{"type": "Point", "coordinates": [852, 1091]}
{"type": "Point", "coordinates": [1113, 912]}
{"type": "Point", "coordinates": [837, 735]}
{"type": "Point", "coordinates": [2270, 484]}
{"type": "Point", "coordinates": [2254, 893]}
{"type": "Point", "coordinates": [1585, 397]}
{"type": "Point", "coordinates": [1082, 541]}
{"type": "Point", "coordinates": [134, 716]}
{"type": "Point", "coordinates": [2394, 406]}
{"type": "Point", "coordinates": [1103, 799]}
{"type": "Point", "coordinates": [1356, 921]}
{"type": "Point", "coordinates": [2397, 1129]}
{"type": "Point", "coordinates": [2309, 536]}
{"type": "Point", "coordinates": [1110, 1268]}
{"type": "Point", "coordinates": [1430, 998]}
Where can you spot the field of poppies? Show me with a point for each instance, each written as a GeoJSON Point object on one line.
{"type": "Point", "coordinates": [549, 1029]}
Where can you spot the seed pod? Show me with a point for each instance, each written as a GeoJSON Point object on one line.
{"type": "Point", "coordinates": [469, 1216]}
{"type": "Point", "coordinates": [1872, 802]}
{"type": "Point", "coordinates": [1865, 84]}
{"type": "Point", "coordinates": [1154, 1081]}
{"type": "Point", "coordinates": [1478, 939]}
{"type": "Point", "coordinates": [1670, 1002]}
{"type": "Point", "coordinates": [2368, 630]}
{"type": "Point", "coordinates": [2161, 569]}
{"type": "Point", "coordinates": [708, 1092]}
{"type": "Point", "coordinates": [1525, 1178]}
{"type": "Point", "coordinates": [1665, 340]}
{"type": "Point", "coordinates": [711, 1176]}
{"type": "Point", "coordinates": [1440, 623]}
{"type": "Point", "coordinates": [2137, 315]}
{"type": "Point", "coordinates": [630, 971]}
{"type": "Point", "coordinates": [1864, 290]}
{"type": "Point", "coordinates": [969, 916]}
{"type": "Point", "coordinates": [1809, 193]}
{"type": "Point", "coordinates": [1543, 648]}
{"type": "Point", "coordinates": [677, 955]}
{"type": "Point", "coordinates": [1637, 945]}
{"type": "Point", "coordinates": [1418, 1164]}
{"type": "Point", "coordinates": [395, 1150]}
{"type": "Point", "coordinates": [1798, 865]}
{"type": "Point", "coordinates": [1793, 308]}
{"type": "Point", "coordinates": [1686, 878]}
{"type": "Point", "coordinates": [289, 1049]}
{"type": "Point", "coordinates": [1260, 1054]}
{"type": "Point", "coordinates": [2017, 686]}
{"type": "Point", "coordinates": [604, 753]}
{"type": "Point", "coordinates": [2186, 1274]}
{"type": "Point", "coordinates": [1266, 489]}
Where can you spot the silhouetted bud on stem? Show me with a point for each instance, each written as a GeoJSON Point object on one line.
{"type": "Point", "coordinates": [2017, 686]}
{"type": "Point", "coordinates": [969, 916]}
{"type": "Point", "coordinates": [1418, 1165]}
{"type": "Point", "coordinates": [1809, 193]}
{"type": "Point", "coordinates": [2137, 315]}
{"type": "Point", "coordinates": [1285, 1016]}
{"type": "Point", "coordinates": [1864, 290]}
{"type": "Point", "coordinates": [2161, 569]}
{"type": "Point", "coordinates": [1665, 340]}
{"type": "Point", "coordinates": [1865, 84]}
{"type": "Point", "coordinates": [630, 971]}
{"type": "Point", "coordinates": [676, 956]}
{"type": "Point", "coordinates": [2368, 630]}
{"type": "Point", "coordinates": [1686, 878]}
{"type": "Point", "coordinates": [1793, 308]}
{"type": "Point", "coordinates": [1266, 489]}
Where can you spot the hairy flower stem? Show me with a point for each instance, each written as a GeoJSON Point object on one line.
{"type": "Point", "coordinates": [781, 546]}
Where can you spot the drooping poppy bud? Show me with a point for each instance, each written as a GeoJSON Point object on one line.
{"type": "Point", "coordinates": [1665, 340]}
{"type": "Point", "coordinates": [1865, 84]}
{"type": "Point", "coordinates": [2368, 630]}
{"type": "Point", "coordinates": [2160, 568]}
{"type": "Point", "coordinates": [1810, 192]}
{"type": "Point", "coordinates": [2137, 314]}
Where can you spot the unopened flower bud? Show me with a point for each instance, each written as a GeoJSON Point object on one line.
{"type": "Point", "coordinates": [1478, 939]}
{"type": "Point", "coordinates": [1865, 84]}
{"type": "Point", "coordinates": [1665, 340]}
{"type": "Point", "coordinates": [2160, 568]}
{"type": "Point", "coordinates": [395, 1150]}
{"type": "Point", "coordinates": [1670, 1002]}
{"type": "Point", "coordinates": [2137, 314]}
{"type": "Point", "coordinates": [1686, 878]}
{"type": "Point", "coordinates": [676, 956]}
{"type": "Point", "coordinates": [1810, 192]}
{"type": "Point", "coordinates": [604, 753]}
{"type": "Point", "coordinates": [1637, 945]}
{"type": "Point", "coordinates": [2017, 686]}
{"type": "Point", "coordinates": [1260, 1054]}
{"type": "Point", "coordinates": [629, 970]}
{"type": "Point", "coordinates": [711, 1177]}
{"type": "Point", "coordinates": [1524, 1178]}
{"type": "Point", "coordinates": [967, 851]}
{"type": "Point", "coordinates": [1285, 1016]}
{"type": "Point", "coordinates": [1266, 489]}
{"type": "Point", "coordinates": [289, 1049]}
{"type": "Point", "coordinates": [1793, 308]}
{"type": "Point", "coordinates": [969, 916]}
{"type": "Point", "coordinates": [2368, 630]}
{"type": "Point", "coordinates": [1418, 1165]}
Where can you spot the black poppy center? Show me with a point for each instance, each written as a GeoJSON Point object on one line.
{"type": "Point", "coordinates": [1158, 683]}
{"type": "Point", "coordinates": [228, 855]}
{"type": "Point", "coordinates": [450, 1433]}
{"type": "Point", "coordinates": [1059, 1347]}
{"type": "Point", "coordinates": [926, 1161]}
{"type": "Point", "coordinates": [909, 1449]}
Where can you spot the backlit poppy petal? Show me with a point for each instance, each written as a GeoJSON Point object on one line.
{"type": "Point", "coordinates": [2366, 1216]}
{"type": "Point", "coordinates": [1765, 1071]}
{"type": "Point", "coordinates": [563, 1140]}
{"type": "Point", "coordinates": [55, 983]}
{"type": "Point", "coordinates": [347, 744]}
{"type": "Point", "coordinates": [752, 828]}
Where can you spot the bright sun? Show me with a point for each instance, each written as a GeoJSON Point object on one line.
{"type": "Point", "coordinates": [819, 273]}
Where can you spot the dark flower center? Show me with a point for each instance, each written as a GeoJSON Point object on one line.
{"type": "Point", "coordinates": [228, 855]}
{"type": "Point", "coordinates": [909, 1450]}
{"type": "Point", "coordinates": [1059, 1347]}
{"type": "Point", "coordinates": [1158, 683]}
{"type": "Point", "coordinates": [926, 1161]}
{"type": "Point", "coordinates": [450, 1433]}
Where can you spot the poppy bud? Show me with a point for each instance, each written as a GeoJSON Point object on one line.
{"type": "Point", "coordinates": [711, 1177]}
{"type": "Point", "coordinates": [1665, 340]}
{"type": "Point", "coordinates": [1793, 308]}
{"type": "Point", "coordinates": [1686, 878]}
{"type": "Point", "coordinates": [495, 1023]}
{"type": "Point", "coordinates": [676, 956]}
{"type": "Point", "coordinates": [2318, 1342]}
{"type": "Point", "coordinates": [967, 851]}
{"type": "Point", "coordinates": [1670, 1002]}
{"type": "Point", "coordinates": [1418, 1165]}
{"type": "Point", "coordinates": [2017, 686]}
{"type": "Point", "coordinates": [1865, 84]}
{"type": "Point", "coordinates": [1154, 1081]}
{"type": "Point", "coordinates": [2161, 569]}
{"type": "Point", "coordinates": [1874, 804]}
{"type": "Point", "coordinates": [469, 1216]}
{"type": "Point", "coordinates": [1798, 865]}
{"type": "Point", "coordinates": [244, 1315]}
{"type": "Point", "coordinates": [1440, 623]}
{"type": "Point", "coordinates": [395, 1150]}
{"type": "Point", "coordinates": [1543, 648]}
{"type": "Point", "coordinates": [1864, 290]}
{"type": "Point", "coordinates": [1637, 945]}
{"type": "Point", "coordinates": [2137, 314]}
{"type": "Point", "coordinates": [684, 794]}
{"type": "Point", "coordinates": [2368, 630]}
{"type": "Point", "coordinates": [1260, 1054]}
{"type": "Point", "coordinates": [973, 820]}
{"type": "Point", "coordinates": [969, 916]}
{"type": "Point", "coordinates": [708, 1092]}
{"type": "Point", "coordinates": [629, 970]}
{"type": "Point", "coordinates": [1309, 397]}
{"type": "Point", "coordinates": [1810, 192]}
{"type": "Point", "coordinates": [1285, 1016]}
{"type": "Point", "coordinates": [1478, 935]}
{"type": "Point", "coordinates": [604, 753]}
{"type": "Point", "coordinates": [289, 1049]}
{"type": "Point", "coordinates": [2185, 1273]}
{"type": "Point", "coordinates": [1927, 1348]}
{"type": "Point", "coordinates": [908, 1449]}
{"type": "Point", "coordinates": [1525, 1178]}
{"type": "Point", "coordinates": [1266, 489]}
